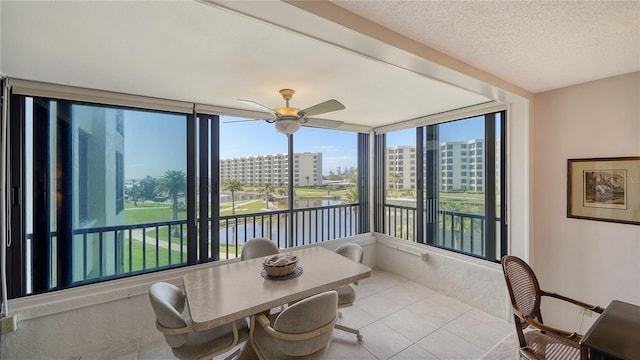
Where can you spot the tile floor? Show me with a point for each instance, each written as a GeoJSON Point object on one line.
{"type": "Point", "coordinates": [399, 319]}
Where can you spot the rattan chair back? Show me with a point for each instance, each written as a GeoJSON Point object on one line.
{"type": "Point", "coordinates": [543, 341]}
{"type": "Point", "coordinates": [523, 287]}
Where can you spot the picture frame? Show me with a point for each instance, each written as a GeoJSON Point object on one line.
{"type": "Point", "coordinates": [604, 189]}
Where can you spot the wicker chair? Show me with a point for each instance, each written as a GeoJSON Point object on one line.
{"type": "Point", "coordinates": [543, 341]}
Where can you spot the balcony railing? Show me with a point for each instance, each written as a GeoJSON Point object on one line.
{"type": "Point", "coordinates": [457, 231]}
{"type": "Point", "coordinates": [101, 253]}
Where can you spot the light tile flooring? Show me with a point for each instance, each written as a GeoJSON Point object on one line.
{"type": "Point", "coordinates": [399, 319]}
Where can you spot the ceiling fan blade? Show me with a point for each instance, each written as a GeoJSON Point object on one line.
{"type": "Point", "coordinates": [258, 106]}
{"type": "Point", "coordinates": [323, 123]}
{"type": "Point", "coordinates": [324, 107]}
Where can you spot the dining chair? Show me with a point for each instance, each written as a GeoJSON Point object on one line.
{"type": "Point", "coordinates": [541, 341]}
{"type": "Point", "coordinates": [258, 247]}
{"type": "Point", "coordinates": [347, 293]}
{"type": "Point", "coordinates": [168, 303]}
{"type": "Point", "coordinates": [301, 331]}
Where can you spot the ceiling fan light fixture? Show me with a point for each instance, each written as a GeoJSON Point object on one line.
{"type": "Point", "coordinates": [287, 126]}
{"type": "Point", "coordinates": [289, 119]}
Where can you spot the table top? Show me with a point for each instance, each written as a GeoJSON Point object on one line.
{"type": "Point", "coordinates": [221, 294]}
{"type": "Point", "coordinates": [616, 332]}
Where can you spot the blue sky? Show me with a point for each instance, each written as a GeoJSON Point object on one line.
{"type": "Point", "coordinates": [156, 142]}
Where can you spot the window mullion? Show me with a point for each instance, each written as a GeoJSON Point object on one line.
{"type": "Point", "coordinates": [203, 198]}
{"type": "Point", "coordinates": [490, 186]}
{"type": "Point", "coordinates": [16, 253]}
{"type": "Point", "coordinates": [420, 215]}
{"type": "Point", "coordinates": [214, 143]}
{"type": "Point", "coordinates": [192, 237]}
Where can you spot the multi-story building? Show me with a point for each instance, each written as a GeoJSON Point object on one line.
{"type": "Point", "coordinates": [461, 166]}
{"type": "Point", "coordinates": [401, 167]}
{"type": "Point", "coordinates": [273, 169]}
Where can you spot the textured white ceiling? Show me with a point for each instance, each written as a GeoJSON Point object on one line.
{"type": "Point", "coordinates": [214, 52]}
{"type": "Point", "coordinates": [200, 52]}
{"type": "Point", "coordinates": [537, 45]}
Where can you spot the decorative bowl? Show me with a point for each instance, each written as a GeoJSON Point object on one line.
{"type": "Point", "coordinates": [280, 265]}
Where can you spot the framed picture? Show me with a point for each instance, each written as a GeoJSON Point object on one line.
{"type": "Point", "coordinates": [604, 189]}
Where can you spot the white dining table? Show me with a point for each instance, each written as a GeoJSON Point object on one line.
{"type": "Point", "coordinates": [221, 294]}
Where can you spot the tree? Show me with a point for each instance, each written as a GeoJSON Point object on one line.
{"type": "Point", "coordinates": [351, 196]}
{"type": "Point", "coordinates": [396, 178]}
{"type": "Point", "coordinates": [232, 185]}
{"type": "Point", "coordinates": [173, 183]}
{"type": "Point", "coordinates": [148, 187]}
{"type": "Point", "coordinates": [457, 209]}
{"type": "Point", "coordinates": [134, 192]}
{"type": "Point", "coordinates": [267, 190]}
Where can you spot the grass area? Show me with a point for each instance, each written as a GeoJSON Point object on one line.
{"type": "Point", "coordinates": [244, 207]}
{"type": "Point", "coordinates": [149, 212]}
{"type": "Point", "coordinates": [317, 192]}
{"type": "Point", "coordinates": [163, 255]}
{"type": "Point", "coordinates": [150, 252]}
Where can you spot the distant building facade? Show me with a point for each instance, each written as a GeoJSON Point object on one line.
{"type": "Point", "coordinates": [273, 169]}
{"type": "Point", "coordinates": [461, 166]}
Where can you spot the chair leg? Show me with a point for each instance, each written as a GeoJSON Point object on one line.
{"type": "Point", "coordinates": [234, 354]}
{"type": "Point", "coordinates": [349, 330]}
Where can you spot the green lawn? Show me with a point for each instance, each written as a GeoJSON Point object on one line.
{"type": "Point", "coordinates": [149, 212]}
{"type": "Point", "coordinates": [150, 250]}
{"type": "Point", "coordinates": [163, 255]}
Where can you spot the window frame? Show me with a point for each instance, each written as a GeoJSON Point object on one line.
{"type": "Point", "coordinates": [202, 130]}
{"type": "Point", "coordinates": [495, 238]}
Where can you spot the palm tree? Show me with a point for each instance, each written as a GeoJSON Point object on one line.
{"type": "Point", "coordinates": [458, 209]}
{"type": "Point", "coordinates": [267, 190]}
{"type": "Point", "coordinates": [173, 183]}
{"type": "Point", "coordinates": [232, 185]}
{"type": "Point", "coordinates": [396, 177]}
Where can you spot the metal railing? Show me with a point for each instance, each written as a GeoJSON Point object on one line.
{"type": "Point", "coordinates": [457, 231]}
{"type": "Point", "coordinates": [102, 253]}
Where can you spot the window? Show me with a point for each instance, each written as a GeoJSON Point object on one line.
{"type": "Point", "coordinates": [458, 210]}
{"type": "Point", "coordinates": [91, 172]}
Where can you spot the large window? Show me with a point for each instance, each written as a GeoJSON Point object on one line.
{"type": "Point", "coordinates": [454, 196]}
{"type": "Point", "coordinates": [256, 198]}
{"type": "Point", "coordinates": [98, 201]}
{"type": "Point", "coordinates": [104, 191]}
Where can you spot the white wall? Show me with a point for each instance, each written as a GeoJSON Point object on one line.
{"type": "Point", "coordinates": [592, 260]}
{"type": "Point", "coordinates": [475, 282]}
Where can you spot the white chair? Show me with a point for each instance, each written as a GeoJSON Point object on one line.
{"type": "Point", "coordinates": [346, 293]}
{"type": "Point", "coordinates": [258, 247]}
{"type": "Point", "coordinates": [168, 303]}
{"type": "Point", "coordinates": [301, 331]}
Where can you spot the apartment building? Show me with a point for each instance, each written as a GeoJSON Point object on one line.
{"type": "Point", "coordinates": [401, 160]}
{"type": "Point", "coordinates": [461, 165]}
{"type": "Point", "coordinates": [273, 169]}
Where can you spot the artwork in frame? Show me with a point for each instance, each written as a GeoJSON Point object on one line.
{"type": "Point", "coordinates": [604, 189]}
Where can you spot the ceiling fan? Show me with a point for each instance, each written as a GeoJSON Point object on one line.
{"type": "Point", "coordinates": [288, 120]}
